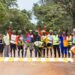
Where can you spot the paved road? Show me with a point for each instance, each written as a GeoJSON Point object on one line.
{"type": "Point", "coordinates": [21, 68]}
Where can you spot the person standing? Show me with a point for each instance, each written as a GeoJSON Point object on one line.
{"type": "Point", "coordinates": [6, 39]}
{"type": "Point", "coordinates": [13, 42]}
{"type": "Point", "coordinates": [29, 43]}
{"type": "Point", "coordinates": [49, 42]}
{"type": "Point", "coordinates": [73, 43]}
{"type": "Point", "coordinates": [56, 42]}
{"type": "Point", "coordinates": [37, 44]}
{"type": "Point", "coordinates": [20, 43]}
{"type": "Point", "coordinates": [43, 39]}
{"type": "Point", "coordinates": [70, 43]}
{"type": "Point", "coordinates": [61, 44]}
{"type": "Point", "coordinates": [66, 44]}
{"type": "Point", "coordinates": [1, 45]}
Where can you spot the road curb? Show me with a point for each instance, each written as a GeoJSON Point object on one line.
{"type": "Point", "coordinates": [11, 59]}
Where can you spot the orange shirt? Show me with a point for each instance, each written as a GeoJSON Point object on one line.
{"type": "Point", "coordinates": [65, 42]}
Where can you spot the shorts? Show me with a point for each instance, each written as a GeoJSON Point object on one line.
{"type": "Point", "coordinates": [13, 46]}
{"type": "Point", "coordinates": [20, 47]}
{"type": "Point", "coordinates": [1, 48]}
{"type": "Point", "coordinates": [44, 44]}
{"type": "Point", "coordinates": [49, 44]}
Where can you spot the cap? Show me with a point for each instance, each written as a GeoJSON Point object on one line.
{"type": "Point", "coordinates": [14, 31]}
{"type": "Point", "coordinates": [36, 30]}
{"type": "Point", "coordinates": [51, 31]}
{"type": "Point", "coordinates": [19, 31]}
{"type": "Point", "coordinates": [43, 31]}
{"type": "Point", "coordinates": [30, 30]}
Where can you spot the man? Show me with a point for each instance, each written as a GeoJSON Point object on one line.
{"type": "Point", "coordinates": [49, 42]}
{"type": "Point", "coordinates": [43, 39]}
{"type": "Point", "coordinates": [1, 45]}
{"type": "Point", "coordinates": [37, 45]}
{"type": "Point", "coordinates": [6, 39]}
{"type": "Point", "coordinates": [20, 43]}
{"type": "Point", "coordinates": [61, 43]}
{"type": "Point", "coordinates": [70, 43]}
{"type": "Point", "coordinates": [29, 42]}
{"type": "Point", "coordinates": [66, 44]}
{"type": "Point", "coordinates": [56, 44]}
{"type": "Point", "coordinates": [13, 42]}
{"type": "Point", "coordinates": [73, 43]}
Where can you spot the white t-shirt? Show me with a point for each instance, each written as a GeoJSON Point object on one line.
{"type": "Point", "coordinates": [6, 39]}
{"type": "Point", "coordinates": [13, 39]}
{"type": "Point", "coordinates": [50, 38]}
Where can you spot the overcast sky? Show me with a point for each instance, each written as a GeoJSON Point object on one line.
{"type": "Point", "coordinates": [27, 4]}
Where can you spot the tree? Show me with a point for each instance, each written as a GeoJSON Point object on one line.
{"type": "Point", "coordinates": [53, 15]}
{"type": "Point", "coordinates": [20, 19]}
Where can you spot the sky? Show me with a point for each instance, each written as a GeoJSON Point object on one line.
{"type": "Point", "coordinates": [27, 4]}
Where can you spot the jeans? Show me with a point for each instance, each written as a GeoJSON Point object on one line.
{"type": "Point", "coordinates": [6, 51]}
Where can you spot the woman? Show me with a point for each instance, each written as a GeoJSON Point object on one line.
{"type": "Point", "coordinates": [1, 45]}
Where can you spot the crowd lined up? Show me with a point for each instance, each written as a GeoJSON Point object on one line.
{"type": "Point", "coordinates": [41, 43]}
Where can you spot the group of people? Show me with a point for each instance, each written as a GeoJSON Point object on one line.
{"type": "Point", "coordinates": [41, 43]}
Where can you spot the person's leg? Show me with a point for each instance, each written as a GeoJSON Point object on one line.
{"type": "Point", "coordinates": [39, 52]}
{"type": "Point", "coordinates": [58, 50]}
{"type": "Point", "coordinates": [69, 47]}
{"type": "Point", "coordinates": [65, 50]}
{"type": "Point", "coordinates": [18, 51]}
{"type": "Point", "coordinates": [1, 50]}
{"type": "Point", "coordinates": [14, 49]}
{"type": "Point", "coordinates": [44, 52]}
{"type": "Point", "coordinates": [22, 50]}
{"type": "Point", "coordinates": [51, 51]}
{"type": "Point", "coordinates": [36, 51]}
{"type": "Point", "coordinates": [11, 48]}
{"type": "Point", "coordinates": [62, 50]}
{"type": "Point", "coordinates": [54, 47]}
{"type": "Point", "coordinates": [26, 51]}
{"type": "Point", "coordinates": [30, 53]}
{"type": "Point", "coordinates": [48, 45]}
{"type": "Point", "coordinates": [47, 51]}
{"type": "Point", "coordinates": [1, 54]}
{"type": "Point", "coordinates": [6, 51]}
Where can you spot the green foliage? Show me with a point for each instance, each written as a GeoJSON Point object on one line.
{"type": "Point", "coordinates": [54, 15]}
{"type": "Point", "coordinates": [10, 15]}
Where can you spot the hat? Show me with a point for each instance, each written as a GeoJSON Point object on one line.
{"type": "Point", "coordinates": [36, 30]}
{"type": "Point", "coordinates": [19, 31]}
{"type": "Point", "coordinates": [51, 31]}
{"type": "Point", "coordinates": [30, 30]}
{"type": "Point", "coordinates": [14, 31]}
{"type": "Point", "coordinates": [43, 31]}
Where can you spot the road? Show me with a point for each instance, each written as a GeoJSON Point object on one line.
{"type": "Point", "coordinates": [36, 68]}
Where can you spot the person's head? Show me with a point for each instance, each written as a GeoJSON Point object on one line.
{"type": "Point", "coordinates": [9, 28]}
{"type": "Point", "coordinates": [64, 33]}
{"type": "Point", "coordinates": [30, 31]}
{"type": "Point", "coordinates": [36, 32]}
{"type": "Point", "coordinates": [50, 32]}
{"type": "Point", "coordinates": [19, 32]}
{"type": "Point", "coordinates": [43, 32]}
{"type": "Point", "coordinates": [55, 33]}
{"type": "Point", "coordinates": [14, 32]}
{"type": "Point", "coordinates": [68, 34]}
